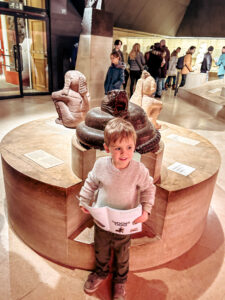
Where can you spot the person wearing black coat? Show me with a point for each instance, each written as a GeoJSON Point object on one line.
{"type": "Point", "coordinates": [154, 61]}
{"type": "Point", "coordinates": [207, 61]}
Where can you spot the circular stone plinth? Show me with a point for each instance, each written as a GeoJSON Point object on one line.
{"type": "Point", "coordinates": [44, 212]}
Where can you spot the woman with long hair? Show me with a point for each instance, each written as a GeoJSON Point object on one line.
{"type": "Point", "coordinates": [172, 71]}
{"type": "Point", "coordinates": [136, 61]}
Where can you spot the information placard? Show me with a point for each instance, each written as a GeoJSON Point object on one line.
{"type": "Point", "coordinates": [181, 169]}
{"type": "Point", "coordinates": [44, 159]}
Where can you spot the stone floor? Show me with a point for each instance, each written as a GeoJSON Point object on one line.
{"type": "Point", "coordinates": [198, 274]}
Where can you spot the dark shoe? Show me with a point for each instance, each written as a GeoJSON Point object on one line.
{"type": "Point", "coordinates": [93, 282]}
{"type": "Point", "coordinates": [174, 87]}
{"type": "Point", "coordinates": [157, 96]}
{"type": "Point", "coordinates": [119, 291]}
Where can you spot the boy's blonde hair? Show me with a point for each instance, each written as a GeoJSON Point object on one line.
{"type": "Point", "coordinates": [118, 129]}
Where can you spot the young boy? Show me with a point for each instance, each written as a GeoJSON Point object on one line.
{"type": "Point", "coordinates": [118, 180]}
{"type": "Point", "coordinates": [115, 74]}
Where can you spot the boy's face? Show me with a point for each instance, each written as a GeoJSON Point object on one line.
{"type": "Point", "coordinates": [121, 151]}
{"type": "Point", "coordinates": [114, 60]}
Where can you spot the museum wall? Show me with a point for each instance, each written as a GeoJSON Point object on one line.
{"type": "Point", "coordinates": [203, 18]}
{"type": "Point", "coordinates": [129, 38]}
{"type": "Point", "coordinates": [65, 22]}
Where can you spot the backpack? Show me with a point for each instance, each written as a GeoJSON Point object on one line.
{"type": "Point", "coordinates": [180, 63]}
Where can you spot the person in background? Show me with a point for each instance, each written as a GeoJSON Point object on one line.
{"type": "Point", "coordinates": [147, 55]}
{"type": "Point", "coordinates": [207, 62]}
{"type": "Point", "coordinates": [115, 75]}
{"type": "Point", "coordinates": [164, 48]}
{"type": "Point", "coordinates": [172, 71]}
{"type": "Point", "coordinates": [154, 61]}
{"type": "Point", "coordinates": [137, 62]}
{"type": "Point", "coordinates": [117, 46]}
{"type": "Point", "coordinates": [221, 64]}
{"type": "Point", "coordinates": [161, 77]}
{"type": "Point", "coordinates": [187, 64]}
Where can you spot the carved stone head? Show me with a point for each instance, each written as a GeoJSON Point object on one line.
{"type": "Point", "coordinates": [115, 103]}
{"type": "Point", "coordinates": [76, 81]}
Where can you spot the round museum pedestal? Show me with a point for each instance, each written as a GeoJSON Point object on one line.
{"type": "Point", "coordinates": [195, 79]}
{"type": "Point", "coordinates": [44, 212]}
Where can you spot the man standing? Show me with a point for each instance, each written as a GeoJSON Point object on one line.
{"type": "Point", "coordinates": [167, 58]}
{"type": "Point", "coordinates": [207, 62]}
{"type": "Point", "coordinates": [117, 47]}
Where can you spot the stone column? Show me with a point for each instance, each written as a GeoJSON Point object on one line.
{"type": "Point", "coordinates": [95, 46]}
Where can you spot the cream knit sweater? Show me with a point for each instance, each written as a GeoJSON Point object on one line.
{"type": "Point", "coordinates": [120, 189]}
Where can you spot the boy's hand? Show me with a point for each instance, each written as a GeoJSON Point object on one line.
{"type": "Point", "coordinates": [142, 218]}
{"type": "Point", "coordinates": [84, 210]}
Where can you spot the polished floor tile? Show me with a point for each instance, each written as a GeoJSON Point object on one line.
{"type": "Point", "coordinates": [197, 274]}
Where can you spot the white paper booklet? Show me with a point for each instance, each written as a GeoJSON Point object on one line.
{"type": "Point", "coordinates": [44, 159]}
{"type": "Point", "coordinates": [116, 220]}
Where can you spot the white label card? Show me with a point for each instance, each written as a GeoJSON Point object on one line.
{"type": "Point", "coordinates": [44, 159]}
{"type": "Point", "coordinates": [181, 169]}
{"type": "Point", "coordinates": [183, 139]}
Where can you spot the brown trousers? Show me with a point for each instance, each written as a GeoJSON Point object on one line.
{"type": "Point", "coordinates": [104, 242]}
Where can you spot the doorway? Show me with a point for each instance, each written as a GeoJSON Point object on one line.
{"type": "Point", "coordinates": [24, 64]}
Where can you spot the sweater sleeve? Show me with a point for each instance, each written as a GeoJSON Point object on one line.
{"type": "Point", "coordinates": [219, 62]}
{"type": "Point", "coordinates": [120, 80]}
{"type": "Point", "coordinates": [106, 83]}
{"type": "Point", "coordinates": [129, 60]}
{"type": "Point", "coordinates": [91, 184]}
{"type": "Point", "coordinates": [147, 190]}
{"type": "Point", "coordinates": [188, 62]}
{"type": "Point", "coordinates": [143, 59]}
{"type": "Point", "coordinates": [208, 62]}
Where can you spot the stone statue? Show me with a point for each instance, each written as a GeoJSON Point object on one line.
{"type": "Point", "coordinates": [199, 58]}
{"type": "Point", "coordinates": [142, 96]}
{"type": "Point", "coordinates": [90, 133]}
{"type": "Point", "coordinates": [72, 102]}
{"type": "Point", "coordinates": [115, 103]}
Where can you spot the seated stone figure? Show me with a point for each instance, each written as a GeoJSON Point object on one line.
{"type": "Point", "coordinates": [142, 96]}
{"type": "Point", "coordinates": [72, 102]}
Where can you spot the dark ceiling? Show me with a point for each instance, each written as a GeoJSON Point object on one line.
{"type": "Point", "coordinates": [166, 17]}
{"type": "Point", "coordinates": [153, 16]}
